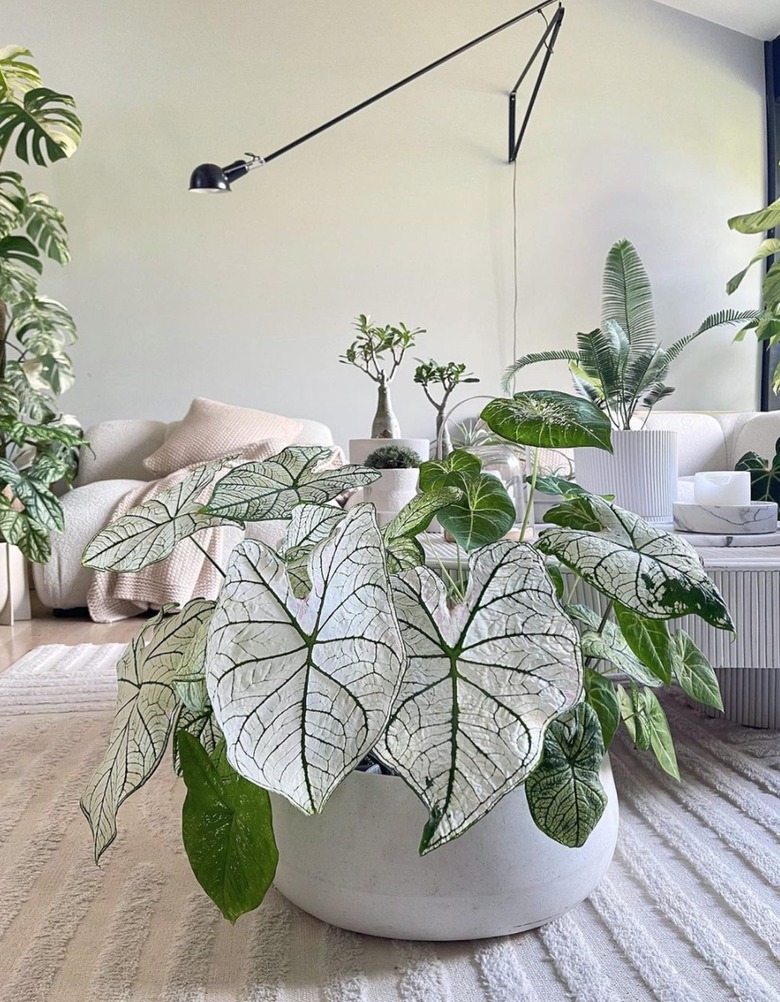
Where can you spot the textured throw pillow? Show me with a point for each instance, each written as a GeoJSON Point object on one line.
{"type": "Point", "coordinates": [211, 430]}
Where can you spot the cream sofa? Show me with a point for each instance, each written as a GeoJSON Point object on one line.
{"type": "Point", "coordinates": [112, 466]}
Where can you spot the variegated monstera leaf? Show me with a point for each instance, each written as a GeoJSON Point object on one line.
{"type": "Point", "coordinates": [150, 532]}
{"type": "Point", "coordinates": [647, 570]}
{"type": "Point", "coordinates": [146, 701]}
{"type": "Point", "coordinates": [256, 492]}
{"type": "Point", "coordinates": [302, 687]}
{"type": "Point", "coordinates": [484, 680]}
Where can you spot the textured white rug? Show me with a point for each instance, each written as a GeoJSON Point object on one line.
{"type": "Point", "coordinates": [689, 911]}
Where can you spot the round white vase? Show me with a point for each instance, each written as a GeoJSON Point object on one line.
{"type": "Point", "coordinates": [356, 865]}
{"type": "Point", "coordinates": [641, 471]}
{"type": "Point", "coordinates": [393, 490]}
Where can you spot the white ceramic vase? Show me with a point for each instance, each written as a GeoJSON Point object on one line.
{"type": "Point", "coordinates": [14, 593]}
{"type": "Point", "coordinates": [356, 865]}
{"type": "Point", "coordinates": [393, 490]}
{"type": "Point", "coordinates": [641, 472]}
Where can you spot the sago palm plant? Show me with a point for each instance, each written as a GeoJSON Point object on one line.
{"type": "Point", "coordinates": [621, 366]}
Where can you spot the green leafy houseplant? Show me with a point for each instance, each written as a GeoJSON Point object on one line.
{"type": "Point", "coordinates": [379, 352]}
{"type": "Point", "coordinates": [764, 474]}
{"type": "Point", "coordinates": [38, 444]}
{"type": "Point", "coordinates": [621, 366]}
{"type": "Point", "coordinates": [392, 457]}
{"type": "Point", "coordinates": [342, 648]}
{"type": "Point", "coordinates": [766, 324]}
{"type": "Point", "coordinates": [447, 377]}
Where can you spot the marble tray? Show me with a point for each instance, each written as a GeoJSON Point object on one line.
{"type": "Point", "coordinates": [755, 518]}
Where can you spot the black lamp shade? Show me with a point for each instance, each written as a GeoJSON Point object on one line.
{"type": "Point", "coordinates": [209, 178]}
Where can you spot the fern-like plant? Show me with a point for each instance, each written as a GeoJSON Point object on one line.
{"type": "Point", "coordinates": [621, 366]}
{"type": "Point", "coordinates": [38, 444]}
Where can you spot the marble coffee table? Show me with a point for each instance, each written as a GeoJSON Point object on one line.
{"type": "Point", "coordinates": [748, 665]}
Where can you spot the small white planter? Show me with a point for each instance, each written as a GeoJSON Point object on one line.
{"type": "Point", "coordinates": [360, 448]}
{"type": "Point", "coordinates": [393, 490]}
{"type": "Point", "coordinates": [641, 472]}
{"type": "Point", "coordinates": [14, 593]}
{"type": "Point", "coordinates": [356, 865]}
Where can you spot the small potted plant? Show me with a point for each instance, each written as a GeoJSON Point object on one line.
{"type": "Point", "coordinates": [490, 705]}
{"type": "Point", "coordinates": [397, 484]}
{"type": "Point", "coordinates": [621, 367]}
{"type": "Point", "coordinates": [379, 353]}
{"type": "Point", "coordinates": [432, 375]}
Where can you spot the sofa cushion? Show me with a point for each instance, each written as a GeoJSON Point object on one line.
{"type": "Point", "coordinates": [212, 429]}
{"type": "Point", "coordinates": [117, 450]}
{"type": "Point", "coordinates": [701, 444]}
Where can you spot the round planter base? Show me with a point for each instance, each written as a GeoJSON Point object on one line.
{"type": "Point", "coordinates": [356, 865]}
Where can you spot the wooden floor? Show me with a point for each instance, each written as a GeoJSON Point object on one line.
{"type": "Point", "coordinates": [43, 628]}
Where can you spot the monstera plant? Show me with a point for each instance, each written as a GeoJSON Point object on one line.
{"type": "Point", "coordinates": [342, 649]}
{"type": "Point", "coordinates": [38, 444]}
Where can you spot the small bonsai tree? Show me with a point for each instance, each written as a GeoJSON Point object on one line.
{"type": "Point", "coordinates": [392, 457]}
{"type": "Point", "coordinates": [432, 374]}
{"type": "Point", "coordinates": [379, 351]}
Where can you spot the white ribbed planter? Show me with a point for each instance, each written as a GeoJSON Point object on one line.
{"type": "Point", "coordinates": [393, 490]}
{"type": "Point", "coordinates": [641, 471]}
{"type": "Point", "coordinates": [356, 865]}
{"type": "Point", "coordinates": [14, 593]}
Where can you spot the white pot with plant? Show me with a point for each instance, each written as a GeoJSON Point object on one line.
{"type": "Point", "coordinates": [379, 352]}
{"type": "Point", "coordinates": [489, 696]}
{"type": "Point", "coordinates": [621, 367]}
{"type": "Point", "coordinates": [38, 444]}
{"type": "Point", "coordinates": [397, 484]}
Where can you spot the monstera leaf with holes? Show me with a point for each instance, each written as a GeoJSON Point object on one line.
{"type": "Point", "coordinates": [151, 531]}
{"type": "Point", "coordinates": [146, 702]}
{"type": "Point", "coordinates": [485, 679]}
{"type": "Point", "coordinates": [40, 126]}
{"type": "Point", "coordinates": [256, 492]}
{"type": "Point", "coordinates": [302, 687]}
{"type": "Point", "coordinates": [646, 570]}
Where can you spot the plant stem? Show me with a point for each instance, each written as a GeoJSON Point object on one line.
{"type": "Point", "coordinates": [529, 507]}
{"type": "Point", "coordinates": [207, 556]}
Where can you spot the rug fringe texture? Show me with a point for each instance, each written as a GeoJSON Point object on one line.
{"type": "Point", "coordinates": [688, 912]}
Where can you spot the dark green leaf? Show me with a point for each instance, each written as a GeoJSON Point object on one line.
{"type": "Point", "coordinates": [47, 128]}
{"type": "Point", "coordinates": [650, 640]}
{"type": "Point", "coordinates": [576, 512]}
{"type": "Point", "coordinates": [483, 514]}
{"type": "Point", "coordinates": [564, 792]}
{"type": "Point", "coordinates": [227, 830]}
{"type": "Point", "coordinates": [694, 673]}
{"type": "Point", "coordinates": [549, 419]}
{"type": "Point", "coordinates": [634, 713]}
{"type": "Point", "coordinates": [436, 473]}
{"type": "Point", "coordinates": [554, 572]}
{"type": "Point", "coordinates": [201, 725]}
{"type": "Point", "coordinates": [601, 696]}
{"type": "Point", "coordinates": [660, 736]}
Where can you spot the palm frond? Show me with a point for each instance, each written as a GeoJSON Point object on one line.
{"type": "Point", "coordinates": [537, 356]}
{"type": "Point", "coordinates": [627, 297]}
{"type": "Point", "coordinates": [714, 320]}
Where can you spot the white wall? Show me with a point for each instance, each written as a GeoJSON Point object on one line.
{"type": "Point", "coordinates": [649, 126]}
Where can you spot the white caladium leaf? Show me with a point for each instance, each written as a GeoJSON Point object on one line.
{"type": "Point", "coordinates": [190, 682]}
{"type": "Point", "coordinates": [403, 549]}
{"type": "Point", "coordinates": [605, 642]}
{"type": "Point", "coordinates": [146, 702]}
{"type": "Point", "coordinates": [309, 525]}
{"type": "Point", "coordinates": [201, 725]}
{"type": "Point", "coordinates": [645, 569]}
{"type": "Point", "coordinates": [485, 678]}
{"type": "Point", "coordinates": [255, 492]}
{"type": "Point", "coordinates": [302, 687]}
{"type": "Point", "coordinates": [150, 532]}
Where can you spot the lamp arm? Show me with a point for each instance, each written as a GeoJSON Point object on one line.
{"type": "Point", "coordinates": [426, 69]}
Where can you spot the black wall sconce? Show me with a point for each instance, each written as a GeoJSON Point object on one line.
{"type": "Point", "coordinates": [210, 178]}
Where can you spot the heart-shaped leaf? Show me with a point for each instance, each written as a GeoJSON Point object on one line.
{"type": "Point", "coordinates": [601, 696]}
{"type": "Point", "coordinates": [649, 571]}
{"type": "Point", "coordinates": [483, 512]}
{"type": "Point", "coordinates": [764, 476]}
{"type": "Point", "coordinates": [549, 419]}
{"type": "Point", "coordinates": [309, 525]}
{"type": "Point", "coordinates": [255, 492]}
{"type": "Point", "coordinates": [403, 549]}
{"type": "Point", "coordinates": [201, 725]}
{"type": "Point", "coordinates": [633, 710]}
{"type": "Point", "coordinates": [151, 531]}
{"type": "Point", "coordinates": [227, 830]}
{"type": "Point", "coordinates": [660, 736]}
{"type": "Point", "coordinates": [302, 687]}
{"type": "Point", "coordinates": [694, 673]}
{"type": "Point", "coordinates": [564, 792]}
{"type": "Point", "coordinates": [146, 701]}
{"type": "Point", "coordinates": [650, 641]}
{"type": "Point", "coordinates": [484, 680]}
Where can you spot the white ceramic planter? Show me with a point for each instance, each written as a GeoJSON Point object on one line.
{"type": "Point", "coordinates": [356, 865]}
{"type": "Point", "coordinates": [393, 490]}
{"type": "Point", "coordinates": [14, 593]}
{"type": "Point", "coordinates": [641, 472]}
{"type": "Point", "coordinates": [360, 448]}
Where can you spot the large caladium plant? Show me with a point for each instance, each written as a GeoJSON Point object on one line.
{"type": "Point", "coordinates": [343, 648]}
